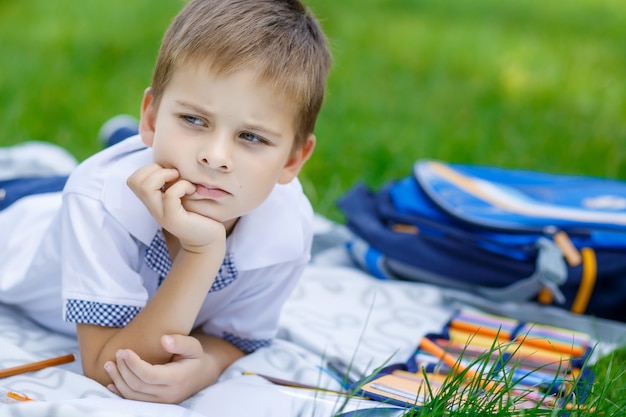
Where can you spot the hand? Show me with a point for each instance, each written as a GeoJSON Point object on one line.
{"type": "Point", "coordinates": [173, 382]}
{"type": "Point", "coordinates": [162, 191]}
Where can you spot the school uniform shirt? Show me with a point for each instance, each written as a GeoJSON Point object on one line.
{"type": "Point", "coordinates": [112, 256]}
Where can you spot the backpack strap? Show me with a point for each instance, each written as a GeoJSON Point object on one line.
{"type": "Point", "coordinates": [588, 281]}
{"type": "Point", "coordinates": [550, 273]}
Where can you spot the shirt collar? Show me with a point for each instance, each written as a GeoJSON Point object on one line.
{"type": "Point", "coordinates": [119, 200]}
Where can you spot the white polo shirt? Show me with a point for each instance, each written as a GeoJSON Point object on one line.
{"type": "Point", "coordinates": [111, 255]}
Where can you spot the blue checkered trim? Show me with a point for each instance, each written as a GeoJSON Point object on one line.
{"type": "Point", "coordinates": [158, 259]}
{"type": "Point", "coordinates": [102, 314]}
{"type": "Point", "coordinates": [246, 345]}
{"type": "Point", "coordinates": [226, 275]}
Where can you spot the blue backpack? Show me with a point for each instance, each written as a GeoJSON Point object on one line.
{"type": "Point", "coordinates": [505, 234]}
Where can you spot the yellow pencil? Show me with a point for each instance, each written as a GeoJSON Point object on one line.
{"type": "Point", "coordinates": [35, 366]}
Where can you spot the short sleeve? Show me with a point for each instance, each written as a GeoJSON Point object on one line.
{"type": "Point", "coordinates": [101, 280]}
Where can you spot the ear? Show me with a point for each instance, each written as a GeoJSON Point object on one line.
{"type": "Point", "coordinates": [148, 118]}
{"type": "Point", "coordinates": [296, 160]}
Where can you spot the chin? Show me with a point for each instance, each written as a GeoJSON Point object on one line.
{"type": "Point", "coordinates": [204, 209]}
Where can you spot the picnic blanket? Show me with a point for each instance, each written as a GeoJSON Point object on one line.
{"type": "Point", "coordinates": [337, 312]}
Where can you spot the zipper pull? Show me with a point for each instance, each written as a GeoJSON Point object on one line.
{"type": "Point", "coordinates": [564, 243]}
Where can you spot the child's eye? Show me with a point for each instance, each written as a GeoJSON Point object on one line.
{"type": "Point", "coordinates": [193, 120]}
{"type": "Point", "coordinates": [251, 137]}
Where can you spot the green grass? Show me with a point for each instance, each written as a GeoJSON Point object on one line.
{"type": "Point", "coordinates": [529, 84]}
{"type": "Point", "coordinates": [491, 393]}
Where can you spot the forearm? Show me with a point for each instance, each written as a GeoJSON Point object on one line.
{"type": "Point", "coordinates": [172, 310]}
{"type": "Point", "coordinates": [198, 362]}
{"type": "Point", "coordinates": [218, 355]}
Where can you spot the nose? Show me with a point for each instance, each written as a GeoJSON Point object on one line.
{"type": "Point", "coordinates": [216, 153]}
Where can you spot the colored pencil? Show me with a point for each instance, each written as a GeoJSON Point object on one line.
{"type": "Point", "coordinates": [9, 396]}
{"type": "Point", "coordinates": [35, 366]}
{"type": "Point", "coordinates": [292, 384]}
{"type": "Point", "coordinates": [510, 355]}
{"type": "Point", "coordinates": [436, 350]}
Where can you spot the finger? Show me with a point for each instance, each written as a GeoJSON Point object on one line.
{"type": "Point", "coordinates": [127, 362]}
{"type": "Point", "coordinates": [113, 389]}
{"type": "Point", "coordinates": [119, 385]}
{"type": "Point", "coordinates": [172, 204]}
{"type": "Point", "coordinates": [174, 194]}
{"type": "Point", "coordinates": [149, 183]}
{"type": "Point", "coordinates": [139, 177]}
{"type": "Point", "coordinates": [161, 180]}
{"type": "Point", "coordinates": [151, 178]}
{"type": "Point", "coordinates": [130, 384]}
{"type": "Point", "coordinates": [140, 372]}
{"type": "Point", "coordinates": [145, 382]}
{"type": "Point", "coordinates": [111, 370]}
{"type": "Point", "coordinates": [186, 347]}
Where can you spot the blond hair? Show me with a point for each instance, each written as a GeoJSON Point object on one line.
{"type": "Point", "coordinates": [279, 39]}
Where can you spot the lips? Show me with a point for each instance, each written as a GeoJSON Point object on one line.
{"type": "Point", "coordinates": [210, 191]}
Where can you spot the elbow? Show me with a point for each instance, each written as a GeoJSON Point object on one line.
{"type": "Point", "coordinates": [96, 371]}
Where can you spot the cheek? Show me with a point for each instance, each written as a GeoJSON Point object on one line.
{"type": "Point", "coordinates": [157, 157]}
{"type": "Point", "coordinates": [262, 184]}
{"type": "Point", "coordinates": [165, 153]}
{"type": "Point", "coordinates": [263, 172]}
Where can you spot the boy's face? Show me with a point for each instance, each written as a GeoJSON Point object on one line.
{"type": "Point", "coordinates": [228, 135]}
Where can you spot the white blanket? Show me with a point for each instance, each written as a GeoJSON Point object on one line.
{"type": "Point", "coordinates": [335, 313]}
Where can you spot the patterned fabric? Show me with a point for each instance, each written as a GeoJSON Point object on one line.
{"type": "Point", "coordinates": [111, 315]}
{"type": "Point", "coordinates": [158, 259]}
{"type": "Point", "coordinates": [226, 275]}
{"type": "Point", "coordinates": [246, 345]}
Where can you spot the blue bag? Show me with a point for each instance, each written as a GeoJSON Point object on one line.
{"type": "Point", "coordinates": [509, 235]}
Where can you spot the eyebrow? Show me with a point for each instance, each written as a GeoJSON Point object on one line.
{"type": "Point", "coordinates": [247, 126]}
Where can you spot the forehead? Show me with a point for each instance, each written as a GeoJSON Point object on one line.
{"type": "Point", "coordinates": [255, 68]}
{"type": "Point", "coordinates": [205, 69]}
{"type": "Point", "coordinates": [240, 91]}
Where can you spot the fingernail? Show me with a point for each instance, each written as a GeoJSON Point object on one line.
{"type": "Point", "coordinates": [169, 341]}
{"type": "Point", "coordinates": [108, 366]}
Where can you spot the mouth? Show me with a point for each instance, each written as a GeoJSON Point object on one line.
{"type": "Point", "coordinates": [211, 191]}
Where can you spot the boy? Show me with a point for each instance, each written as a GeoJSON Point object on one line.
{"type": "Point", "coordinates": [177, 247]}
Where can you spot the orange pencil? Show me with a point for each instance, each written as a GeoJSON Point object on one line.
{"type": "Point", "coordinates": [35, 366]}
{"type": "Point", "coordinates": [482, 330]}
{"type": "Point", "coordinates": [8, 396]}
{"type": "Point", "coordinates": [568, 349]}
{"type": "Point", "coordinates": [436, 350]}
